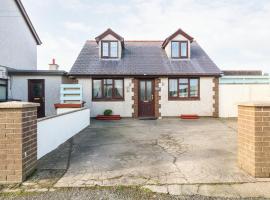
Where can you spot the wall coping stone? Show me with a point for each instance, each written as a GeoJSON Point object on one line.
{"type": "Point", "coordinates": [255, 104]}
{"type": "Point", "coordinates": [59, 115]}
{"type": "Point", "coordinates": [18, 104]}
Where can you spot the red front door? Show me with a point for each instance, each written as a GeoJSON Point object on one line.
{"type": "Point", "coordinates": [36, 94]}
{"type": "Point", "coordinates": [146, 98]}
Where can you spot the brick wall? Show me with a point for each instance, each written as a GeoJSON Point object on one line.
{"type": "Point", "coordinates": [216, 97]}
{"type": "Point", "coordinates": [18, 141]}
{"type": "Point", "coordinates": [254, 139]}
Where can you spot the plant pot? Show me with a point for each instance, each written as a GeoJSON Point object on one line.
{"type": "Point", "coordinates": [108, 117]}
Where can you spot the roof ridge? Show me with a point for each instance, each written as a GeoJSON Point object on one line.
{"type": "Point", "coordinates": [143, 40]}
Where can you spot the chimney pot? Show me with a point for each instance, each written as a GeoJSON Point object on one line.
{"type": "Point", "coordinates": [53, 66]}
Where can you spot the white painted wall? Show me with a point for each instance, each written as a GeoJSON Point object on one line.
{"type": "Point", "coordinates": [202, 107]}
{"type": "Point", "coordinates": [65, 110]}
{"type": "Point", "coordinates": [109, 38]}
{"type": "Point", "coordinates": [124, 108]}
{"type": "Point", "coordinates": [168, 48]}
{"type": "Point", "coordinates": [230, 95]}
{"type": "Point", "coordinates": [56, 130]}
{"type": "Point", "coordinates": [18, 89]}
{"type": "Point", "coordinates": [17, 44]}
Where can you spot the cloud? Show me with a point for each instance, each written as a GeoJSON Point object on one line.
{"type": "Point", "coordinates": [234, 33]}
{"type": "Point", "coordinates": [77, 26]}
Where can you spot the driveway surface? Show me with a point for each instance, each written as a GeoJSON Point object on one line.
{"type": "Point", "coordinates": [154, 153]}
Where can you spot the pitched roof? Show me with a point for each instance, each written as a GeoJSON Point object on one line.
{"type": "Point", "coordinates": [28, 21]}
{"type": "Point", "coordinates": [179, 31]}
{"type": "Point", "coordinates": [143, 58]}
{"type": "Point", "coordinates": [110, 32]}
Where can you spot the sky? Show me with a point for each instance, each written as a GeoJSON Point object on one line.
{"type": "Point", "coordinates": [234, 33]}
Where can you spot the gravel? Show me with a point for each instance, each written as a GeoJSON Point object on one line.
{"type": "Point", "coordinates": [117, 193]}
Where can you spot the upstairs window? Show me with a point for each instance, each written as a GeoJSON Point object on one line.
{"type": "Point", "coordinates": [108, 89]}
{"type": "Point", "coordinates": [179, 49]}
{"type": "Point", "coordinates": [184, 88]}
{"type": "Point", "coordinates": [109, 49]}
{"type": "Point", "coordinates": [3, 90]}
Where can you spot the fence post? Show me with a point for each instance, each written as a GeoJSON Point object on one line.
{"type": "Point", "coordinates": [18, 141]}
{"type": "Point", "coordinates": [254, 139]}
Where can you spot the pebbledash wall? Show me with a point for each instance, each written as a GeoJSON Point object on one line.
{"type": "Point", "coordinates": [124, 108]}
{"type": "Point", "coordinates": [16, 38]}
{"type": "Point", "coordinates": [202, 107]}
{"type": "Point", "coordinates": [18, 89]}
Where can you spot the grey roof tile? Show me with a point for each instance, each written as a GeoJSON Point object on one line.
{"type": "Point", "coordinates": [143, 57]}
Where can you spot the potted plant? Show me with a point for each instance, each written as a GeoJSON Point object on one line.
{"type": "Point", "coordinates": [108, 115]}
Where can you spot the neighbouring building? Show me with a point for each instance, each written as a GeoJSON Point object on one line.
{"type": "Point", "coordinates": [147, 79]}
{"type": "Point", "coordinates": [19, 77]}
{"type": "Point", "coordinates": [241, 86]}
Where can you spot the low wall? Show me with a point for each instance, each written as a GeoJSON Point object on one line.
{"type": "Point", "coordinates": [55, 130]}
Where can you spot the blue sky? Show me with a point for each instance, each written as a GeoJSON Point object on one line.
{"type": "Point", "coordinates": [234, 33]}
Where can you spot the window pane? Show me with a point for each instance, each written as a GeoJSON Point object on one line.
{"type": "Point", "coordinates": [183, 90]}
{"type": "Point", "coordinates": [107, 91]}
{"type": "Point", "coordinates": [148, 90]}
{"type": "Point", "coordinates": [118, 88]}
{"type": "Point", "coordinates": [105, 49]}
{"type": "Point", "coordinates": [3, 82]}
{"type": "Point", "coordinates": [37, 90]}
{"type": "Point", "coordinates": [173, 87]}
{"type": "Point", "coordinates": [114, 49]}
{"type": "Point", "coordinates": [3, 93]}
{"type": "Point", "coordinates": [183, 49]}
{"type": "Point", "coordinates": [194, 87]}
{"type": "Point", "coordinates": [175, 49]}
{"type": "Point", "coordinates": [183, 81]}
{"type": "Point", "coordinates": [107, 81]}
{"type": "Point", "coordinates": [97, 93]}
{"type": "Point", "coordinates": [142, 90]}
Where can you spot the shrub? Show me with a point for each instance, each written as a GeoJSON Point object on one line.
{"type": "Point", "coordinates": [107, 112]}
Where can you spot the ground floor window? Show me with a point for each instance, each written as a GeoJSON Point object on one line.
{"type": "Point", "coordinates": [108, 89]}
{"type": "Point", "coordinates": [184, 88]}
{"type": "Point", "coordinates": [3, 90]}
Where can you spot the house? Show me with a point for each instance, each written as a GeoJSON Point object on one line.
{"type": "Point", "coordinates": [19, 77]}
{"type": "Point", "coordinates": [147, 79]}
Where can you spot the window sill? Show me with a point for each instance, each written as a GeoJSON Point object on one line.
{"type": "Point", "coordinates": [107, 100]}
{"type": "Point", "coordinates": [185, 99]}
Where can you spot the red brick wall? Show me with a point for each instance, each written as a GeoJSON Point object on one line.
{"type": "Point", "coordinates": [18, 143]}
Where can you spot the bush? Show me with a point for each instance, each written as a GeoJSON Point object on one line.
{"type": "Point", "coordinates": [108, 112]}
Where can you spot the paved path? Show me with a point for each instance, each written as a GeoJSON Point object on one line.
{"type": "Point", "coordinates": [162, 152]}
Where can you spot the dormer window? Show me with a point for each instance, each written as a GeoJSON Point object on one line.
{"type": "Point", "coordinates": [179, 49]}
{"type": "Point", "coordinates": [109, 49]}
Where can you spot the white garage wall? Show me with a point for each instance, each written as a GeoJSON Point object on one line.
{"type": "Point", "coordinates": [202, 107]}
{"type": "Point", "coordinates": [123, 108]}
{"type": "Point", "coordinates": [53, 131]}
{"type": "Point", "coordinates": [230, 95]}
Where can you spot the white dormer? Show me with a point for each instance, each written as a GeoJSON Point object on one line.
{"type": "Point", "coordinates": [110, 45]}
{"type": "Point", "coordinates": [177, 46]}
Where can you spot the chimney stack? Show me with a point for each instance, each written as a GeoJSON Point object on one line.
{"type": "Point", "coordinates": [53, 66]}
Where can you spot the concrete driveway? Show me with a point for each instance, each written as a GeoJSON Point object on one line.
{"type": "Point", "coordinates": [160, 152]}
